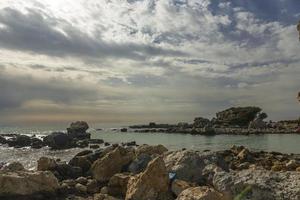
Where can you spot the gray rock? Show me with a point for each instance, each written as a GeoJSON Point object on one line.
{"type": "Point", "coordinates": [260, 184]}
{"type": "Point", "coordinates": [139, 164]}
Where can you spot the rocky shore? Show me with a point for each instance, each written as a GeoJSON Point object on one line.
{"type": "Point", "coordinates": [143, 172]}
{"type": "Point", "coordinates": [232, 121]}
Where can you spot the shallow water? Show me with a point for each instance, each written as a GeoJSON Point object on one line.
{"type": "Point", "coordinates": [287, 143]}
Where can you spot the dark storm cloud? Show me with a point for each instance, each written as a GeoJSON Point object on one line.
{"type": "Point", "coordinates": [14, 92]}
{"type": "Point", "coordinates": [36, 32]}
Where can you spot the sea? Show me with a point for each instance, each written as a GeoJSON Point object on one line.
{"type": "Point", "coordinates": [284, 143]}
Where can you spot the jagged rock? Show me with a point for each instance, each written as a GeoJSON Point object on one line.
{"type": "Point", "coordinates": [113, 162]}
{"type": "Point", "coordinates": [139, 164]}
{"type": "Point", "coordinates": [44, 164]}
{"type": "Point", "coordinates": [65, 171]}
{"type": "Point", "coordinates": [260, 184]}
{"type": "Point", "coordinates": [188, 165]}
{"type": "Point", "coordinates": [152, 184]}
{"type": "Point", "coordinates": [117, 185]}
{"type": "Point", "coordinates": [179, 185]}
{"type": "Point", "coordinates": [78, 130]}
{"type": "Point", "coordinates": [27, 183]}
{"type": "Point", "coordinates": [200, 193]}
{"type": "Point", "coordinates": [151, 150]}
{"type": "Point", "coordinates": [14, 166]}
{"type": "Point", "coordinates": [240, 116]}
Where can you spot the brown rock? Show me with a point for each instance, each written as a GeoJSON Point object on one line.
{"type": "Point", "coordinates": [200, 193]}
{"type": "Point", "coordinates": [44, 164]}
{"type": "Point", "coordinates": [81, 188]}
{"type": "Point", "coordinates": [92, 186]}
{"type": "Point", "coordinates": [113, 162]}
{"type": "Point", "coordinates": [117, 185]}
{"type": "Point", "coordinates": [292, 165]}
{"type": "Point", "coordinates": [179, 185]}
{"type": "Point", "coordinates": [101, 196]}
{"type": "Point", "coordinates": [151, 184]}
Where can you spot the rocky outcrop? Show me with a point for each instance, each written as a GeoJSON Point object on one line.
{"type": "Point", "coordinates": [200, 193]}
{"type": "Point", "coordinates": [139, 163]}
{"type": "Point", "coordinates": [152, 184]}
{"type": "Point", "coordinates": [179, 185]}
{"type": "Point", "coordinates": [113, 162]}
{"type": "Point", "coordinates": [44, 164]}
{"type": "Point", "coordinates": [201, 122]}
{"type": "Point", "coordinates": [240, 116]}
{"type": "Point", "coordinates": [58, 140]}
{"type": "Point", "coordinates": [27, 183]}
{"type": "Point", "coordinates": [117, 185]}
{"type": "Point", "coordinates": [259, 184]}
{"type": "Point", "coordinates": [78, 130]}
{"type": "Point", "coordinates": [151, 150]}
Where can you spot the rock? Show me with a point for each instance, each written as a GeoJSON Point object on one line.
{"type": "Point", "coordinates": [19, 141]}
{"type": "Point", "coordinates": [201, 122]}
{"type": "Point", "coordinates": [188, 165]}
{"type": "Point", "coordinates": [277, 167]}
{"type": "Point", "coordinates": [14, 166]}
{"type": "Point", "coordinates": [101, 196]}
{"type": "Point", "coordinates": [78, 130]}
{"type": "Point", "coordinates": [27, 183]}
{"type": "Point", "coordinates": [113, 162]}
{"type": "Point", "coordinates": [245, 155]}
{"type": "Point", "coordinates": [82, 180]}
{"type": "Point", "coordinates": [36, 143]}
{"type": "Point", "coordinates": [84, 153]}
{"type": "Point", "coordinates": [66, 171]}
{"type": "Point", "coordinates": [179, 185]}
{"type": "Point", "coordinates": [96, 141]}
{"type": "Point", "coordinates": [123, 129]}
{"type": "Point", "coordinates": [200, 193]}
{"type": "Point", "coordinates": [80, 188]}
{"type": "Point", "coordinates": [44, 164]}
{"type": "Point", "coordinates": [132, 143]}
{"type": "Point", "coordinates": [257, 123]}
{"type": "Point", "coordinates": [104, 190]}
{"type": "Point", "coordinates": [259, 184]}
{"type": "Point", "coordinates": [117, 185]}
{"type": "Point", "coordinates": [94, 146]}
{"type": "Point", "coordinates": [82, 162]}
{"type": "Point", "coordinates": [151, 150]}
{"type": "Point", "coordinates": [292, 165]}
{"type": "Point", "coordinates": [58, 140]}
{"type": "Point", "coordinates": [139, 164]}
{"type": "Point", "coordinates": [151, 184]}
{"type": "Point", "coordinates": [240, 116]}
{"type": "Point", "coordinates": [2, 140]}
{"type": "Point", "coordinates": [92, 186]}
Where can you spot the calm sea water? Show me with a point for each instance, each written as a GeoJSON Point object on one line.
{"type": "Point", "coordinates": [288, 143]}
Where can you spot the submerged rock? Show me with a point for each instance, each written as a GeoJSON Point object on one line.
{"type": "Point", "coordinates": [152, 184]}
{"type": "Point", "coordinates": [27, 183]}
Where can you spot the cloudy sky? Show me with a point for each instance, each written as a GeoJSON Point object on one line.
{"type": "Point", "coordinates": [134, 61]}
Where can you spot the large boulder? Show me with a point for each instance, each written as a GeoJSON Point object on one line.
{"type": "Point", "coordinates": [152, 184]}
{"type": "Point", "coordinates": [113, 162]}
{"type": "Point", "coordinates": [82, 162]}
{"type": "Point", "coordinates": [19, 141]}
{"type": "Point", "coordinates": [240, 116]}
{"type": "Point", "coordinates": [188, 165]}
{"type": "Point", "coordinates": [117, 185]}
{"type": "Point", "coordinates": [259, 184]}
{"type": "Point", "coordinates": [27, 183]}
{"type": "Point", "coordinates": [151, 150]}
{"type": "Point", "coordinates": [179, 185]}
{"type": "Point", "coordinates": [200, 193]}
{"type": "Point", "coordinates": [58, 140]}
{"type": "Point", "coordinates": [139, 164]}
{"type": "Point", "coordinates": [78, 130]}
{"type": "Point", "coordinates": [2, 140]}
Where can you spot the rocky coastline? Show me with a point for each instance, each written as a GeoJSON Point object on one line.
{"type": "Point", "coordinates": [129, 171]}
{"type": "Point", "coordinates": [232, 121]}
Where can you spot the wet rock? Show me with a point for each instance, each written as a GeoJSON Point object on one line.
{"type": "Point", "coordinates": [27, 183]}
{"type": "Point", "coordinates": [259, 184]}
{"type": "Point", "coordinates": [133, 143]}
{"type": "Point", "coordinates": [117, 185]}
{"type": "Point", "coordinates": [44, 164]}
{"type": "Point", "coordinates": [82, 180]}
{"type": "Point", "coordinates": [58, 140]}
{"type": "Point", "coordinates": [36, 143]}
{"type": "Point", "coordinates": [94, 146]}
{"type": "Point", "coordinates": [19, 141]}
{"type": "Point", "coordinates": [113, 162]}
{"type": "Point", "coordinates": [139, 164]}
{"type": "Point", "coordinates": [151, 184]}
{"type": "Point", "coordinates": [96, 141]}
{"type": "Point", "coordinates": [151, 150]}
{"type": "Point", "coordinates": [179, 185]}
{"type": "Point", "coordinates": [14, 166]}
{"type": "Point", "coordinates": [65, 171]}
{"type": "Point", "coordinates": [292, 165]}
{"type": "Point", "coordinates": [2, 140]}
{"type": "Point", "coordinates": [123, 129]}
{"type": "Point", "coordinates": [83, 153]}
{"type": "Point", "coordinates": [200, 193]}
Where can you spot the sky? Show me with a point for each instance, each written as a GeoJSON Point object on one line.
{"type": "Point", "coordinates": [135, 61]}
